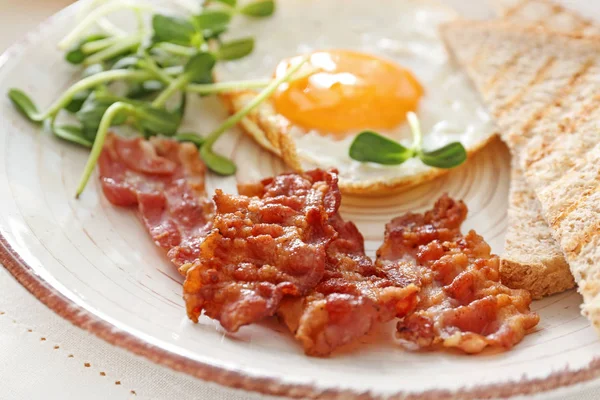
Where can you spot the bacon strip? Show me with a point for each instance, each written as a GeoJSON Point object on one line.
{"type": "Point", "coordinates": [352, 295]}
{"type": "Point", "coordinates": [165, 179]}
{"type": "Point", "coordinates": [262, 249]}
{"type": "Point", "coordinates": [462, 303]}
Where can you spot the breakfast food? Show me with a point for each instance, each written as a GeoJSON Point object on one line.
{"type": "Point", "coordinates": [262, 249]}
{"type": "Point", "coordinates": [546, 99]}
{"type": "Point", "coordinates": [165, 180]}
{"type": "Point", "coordinates": [351, 297]}
{"type": "Point", "coordinates": [281, 247]}
{"type": "Point", "coordinates": [533, 260]}
{"type": "Point", "coordinates": [546, 14]}
{"type": "Point", "coordinates": [392, 62]}
{"type": "Point", "coordinates": [462, 303]}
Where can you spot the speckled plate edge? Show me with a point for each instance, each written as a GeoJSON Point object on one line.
{"type": "Point", "coordinates": [84, 319]}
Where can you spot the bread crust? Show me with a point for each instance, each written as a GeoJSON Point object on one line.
{"type": "Point", "coordinates": [546, 101]}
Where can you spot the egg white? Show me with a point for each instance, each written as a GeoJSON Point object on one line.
{"type": "Point", "coordinates": [403, 31]}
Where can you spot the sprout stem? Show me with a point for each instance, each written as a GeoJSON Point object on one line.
{"type": "Point", "coordinates": [256, 101]}
{"type": "Point", "coordinates": [101, 44]}
{"type": "Point", "coordinates": [117, 48]}
{"type": "Point", "coordinates": [91, 82]}
{"type": "Point", "coordinates": [93, 17]}
{"type": "Point", "coordinates": [223, 87]}
{"type": "Point", "coordinates": [415, 128]}
{"type": "Point", "coordinates": [105, 124]}
{"type": "Point", "coordinates": [176, 49]}
{"type": "Point", "coordinates": [174, 86]}
{"type": "Point", "coordinates": [109, 27]}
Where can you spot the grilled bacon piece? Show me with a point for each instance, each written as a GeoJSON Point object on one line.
{"type": "Point", "coordinates": [462, 303]}
{"type": "Point", "coordinates": [165, 179]}
{"type": "Point", "coordinates": [262, 249]}
{"type": "Point", "coordinates": [352, 295]}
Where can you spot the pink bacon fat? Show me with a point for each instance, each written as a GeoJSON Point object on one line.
{"type": "Point", "coordinates": [165, 179]}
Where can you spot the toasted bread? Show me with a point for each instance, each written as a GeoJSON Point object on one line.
{"type": "Point", "coordinates": [537, 265]}
{"type": "Point", "coordinates": [532, 260]}
{"type": "Point", "coordinates": [542, 87]}
{"type": "Point", "coordinates": [545, 14]}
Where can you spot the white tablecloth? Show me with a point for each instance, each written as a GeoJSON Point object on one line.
{"type": "Point", "coordinates": [44, 357]}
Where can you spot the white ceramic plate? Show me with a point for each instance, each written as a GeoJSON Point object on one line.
{"type": "Point", "coordinates": [95, 265]}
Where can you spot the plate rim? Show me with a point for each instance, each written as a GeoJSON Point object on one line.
{"type": "Point", "coordinates": [79, 316]}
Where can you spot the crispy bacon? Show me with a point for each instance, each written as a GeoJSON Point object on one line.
{"type": "Point", "coordinates": [165, 179]}
{"type": "Point", "coordinates": [462, 303]}
{"type": "Point", "coordinates": [262, 249]}
{"type": "Point", "coordinates": [351, 297]}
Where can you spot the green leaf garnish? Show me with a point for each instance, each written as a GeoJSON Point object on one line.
{"type": "Point", "coordinates": [230, 3]}
{"type": "Point", "coordinates": [73, 134]}
{"type": "Point", "coordinates": [76, 55]}
{"type": "Point", "coordinates": [449, 156]}
{"type": "Point", "coordinates": [199, 68]}
{"type": "Point", "coordinates": [216, 162]}
{"type": "Point", "coordinates": [190, 137]}
{"type": "Point", "coordinates": [91, 112]}
{"type": "Point", "coordinates": [156, 119]}
{"type": "Point", "coordinates": [372, 147]}
{"type": "Point", "coordinates": [260, 8]}
{"type": "Point", "coordinates": [235, 49]}
{"type": "Point", "coordinates": [172, 29]}
{"type": "Point", "coordinates": [77, 101]}
{"type": "Point", "coordinates": [24, 105]}
{"type": "Point", "coordinates": [212, 20]}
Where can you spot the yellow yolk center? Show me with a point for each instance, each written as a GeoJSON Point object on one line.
{"type": "Point", "coordinates": [349, 91]}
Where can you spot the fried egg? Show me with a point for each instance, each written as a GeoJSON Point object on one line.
{"type": "Point", "coordinates": [372, 62]}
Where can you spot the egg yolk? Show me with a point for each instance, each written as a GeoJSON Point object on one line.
{"type": "Point", "coordinates": [348, 91]}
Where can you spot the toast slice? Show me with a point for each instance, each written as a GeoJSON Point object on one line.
{"type": "Point", "coordinates": [546, 14]}
{"type": "Point", "coordinates": [532, 259]}
{"type": "Point", "coordinates": [537, 265]}
{"type": "Point", "coordinates": [542, 87]}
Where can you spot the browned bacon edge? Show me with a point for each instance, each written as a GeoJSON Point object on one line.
{"type": "Point", "coordinates": [262, 249]}
{"type": "Point", "coordinates": [351, 297]}
{"type": "Point", "coordinates": [165, 180]}
{"type": "Point", "coordinates": [462, 303]}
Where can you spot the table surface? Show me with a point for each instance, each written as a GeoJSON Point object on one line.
{"type": "Point", "coordinates": [43, 356]}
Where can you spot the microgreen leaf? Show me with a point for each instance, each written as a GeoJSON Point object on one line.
{"type": "Point", "coordinates": [449, 156]}
{"type": "Point", "coordinates": [259, 8]}
{"type": "Point", "coordinates": [93, 109]}
{"type": "Point", "coordinates": [210, 21]}
{"type": "Point", "coordinates": [156, 119]}
{"type": "Point", "coordinates": [143, 90]}
{"type": "Point", "coordinates": [171, 29]}
{"type": "Point", "coordinates": [371, 147]}
{"type": "Point", "coordinates": [216, 162]}
{"type": "Point", "coordinates": [199, 68]}
{"type": "Point", "coordinates": [24, 104]}
{"type": "Point", "coordinates": [190, 137]}
{"type": "Point", "coordinates": [231, 3]}
{"type": "Point", "coordinates": [76, 54]}
{"type": "Point", "coordinates": [235, 49]}
{"type": "Point", "coordinates": [77, 101]}
{"type": "Point", "coordinates": [73, 134]}
{"type": "Point", "coordinates": [214, 33]}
